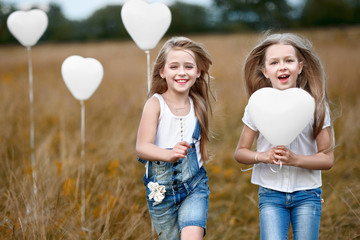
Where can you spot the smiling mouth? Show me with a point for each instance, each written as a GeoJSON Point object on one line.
{"type": "Point", "coordinates": [181, 81]}
{"type": "Point", "coordinates": [283, 78]}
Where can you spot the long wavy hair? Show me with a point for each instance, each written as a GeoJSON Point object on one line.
{"type": "Point", "coordinates": [200, 92]}
{"type": "Point", "coordinates": [312, 78]}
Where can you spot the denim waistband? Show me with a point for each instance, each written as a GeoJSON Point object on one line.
{"type": "Point", "coordinates": [189, 185]}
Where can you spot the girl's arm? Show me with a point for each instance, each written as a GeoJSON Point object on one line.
{"type": "Point", "coordinates": [244, 154]}
{"type": "Point", "coordinates": [322, 160]}
{"type": "Point", "coordinates": [145, 147]}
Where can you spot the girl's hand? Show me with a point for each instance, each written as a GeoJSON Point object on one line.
{"type": "Point", "coordinates": [267, 157]}
{"type": "Point", "coordinates": [283, 154]}
{"type": "Point", "coordinates": [179, 151]}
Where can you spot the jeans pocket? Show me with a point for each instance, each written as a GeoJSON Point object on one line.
{"type": "Point", "coordinates": [264, 191]}
{"type": "Point", "coordinates": [315, 192]}
{"type": "Point", "coordinates": [157, 168]}
{"type": "Point", "coordinates": [203, 186]}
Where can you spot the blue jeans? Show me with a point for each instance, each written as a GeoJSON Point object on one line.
{"type": "Point", "coordinates": [278, 209]}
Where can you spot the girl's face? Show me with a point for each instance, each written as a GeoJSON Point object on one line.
{"type": "Point", "coordinates": [180, 70]}
{"type": "Point", "coordinates": [282, 66]}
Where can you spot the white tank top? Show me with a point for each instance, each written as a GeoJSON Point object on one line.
{"type": "Point", "coordinates": [173, 129]}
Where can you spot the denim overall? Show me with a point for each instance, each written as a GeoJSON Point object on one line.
{"type": "Point", "coordinates": [187, 193]}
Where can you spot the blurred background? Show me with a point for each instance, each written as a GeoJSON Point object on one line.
{"type": "Point", "coordinates": [82, 20]}
{"type": "Point", "coordinates": [115, 195]}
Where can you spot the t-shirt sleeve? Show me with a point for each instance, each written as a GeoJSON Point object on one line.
{"type": "Point", "coordinates": [247, 120]}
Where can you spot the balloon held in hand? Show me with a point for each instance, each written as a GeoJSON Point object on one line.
{"type": "Point", "coordinates": [281, 115]}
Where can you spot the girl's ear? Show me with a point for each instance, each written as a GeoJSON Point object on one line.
{"type": "Point", "coordinates": [198, 74]}
{"type": "Point", "coordinates": [161, 71]}
{"type": "Point", "coordinates": [301, 65]}
{"type": "Point", "coordinates": [264, 72]}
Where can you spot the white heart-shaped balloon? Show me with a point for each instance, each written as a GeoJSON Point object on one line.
{"type": "Point", "coordinates": [82, 76]}
{"type": "Point", "coordinates": [146, 23]}
{"type": "Point", "coordinates": [27, 26]}
{"type": "Point", "coordinates": [281, 115]}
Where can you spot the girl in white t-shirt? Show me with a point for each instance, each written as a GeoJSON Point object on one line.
{"type": "Point", "coordinates": [291, 193]}
{"type": "Point", "coordinates": [172, 138]}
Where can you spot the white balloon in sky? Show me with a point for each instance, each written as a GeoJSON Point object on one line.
{"type": "Point", "coordinates": [27, 26]}
{"type": "Point", "coordinates": [82, 76]}
{"type": "Point", "coordinates": [146, 23]}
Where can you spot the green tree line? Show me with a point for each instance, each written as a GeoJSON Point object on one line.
{"type": "Point", "coordinates": [223, 16]}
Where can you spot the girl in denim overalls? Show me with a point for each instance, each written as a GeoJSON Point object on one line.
{"type": "Point", "coordinates": [172, 138]}
{"type": "Point", "coordinates": [292, 193]}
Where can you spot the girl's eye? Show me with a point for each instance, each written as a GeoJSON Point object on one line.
{"type": "Point", "coordinates": [289, 60]}
{"type": "Point", "coordinates": [273, 63]}
{"type": "Point", "coordinates": [173, 67]}
{"type": "Point", "coordinates": [189, 67]}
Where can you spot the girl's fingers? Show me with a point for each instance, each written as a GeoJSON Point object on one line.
{"type": "Point", "coordinates": [186, 144]}
{"type": "Point", "coordinates": [180, 156]}
{"type": "Point", "coordinates": [280, 151]}
{"type": "Point", "coordinates": [278, 157]}
{"type": "Point", "coordinates": [183, 152]}
{"type": "Point", "coordinates": [180, 150]}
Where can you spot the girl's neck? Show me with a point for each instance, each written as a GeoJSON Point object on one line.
{"type": "Point", "coordinates": [178, 103]}
{"type": "Point", "coordinates": [178, 98]}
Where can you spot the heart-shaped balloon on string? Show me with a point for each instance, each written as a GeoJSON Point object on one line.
{"type": "Point", "coordinates": [27, 26]}
{"type": "Point", "coordinates": [281, 115]}
{"type": "Point", "coordinates": [82, 76]}
{"type": "Point", "coordinates": [146, 23]}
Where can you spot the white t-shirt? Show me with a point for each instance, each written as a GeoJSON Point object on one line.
{"type": "Point", "coordinates": [288, 178]}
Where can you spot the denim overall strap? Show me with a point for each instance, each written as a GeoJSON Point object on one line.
{"type": "Point", "coordinates": [195, 136]}
{"type": "Point", "coordinates": [196, 133]}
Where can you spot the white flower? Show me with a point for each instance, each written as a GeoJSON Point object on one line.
{"type": "Point", "coordinates": [157, 192]}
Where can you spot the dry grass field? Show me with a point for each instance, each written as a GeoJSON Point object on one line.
{"type": "Point", "coordinates": [115, 197]}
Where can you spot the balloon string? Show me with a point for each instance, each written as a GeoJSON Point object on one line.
{"type": "Point", "coordinates": [149, 86]}
{"type": "Point", "coordinates": [82, 175]}
{"type": "Point", "coordinates": [32, 141]}
{"type": "Point", "coordinates": [148, 70]}
{"type": "Point", "coordinates": [274, 171]}
{"type": "Point", "coordinates": [247, 169]}
{"type": "Point", "coordinates": [152, 231]}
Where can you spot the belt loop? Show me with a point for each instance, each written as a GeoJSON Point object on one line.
{"type": "Point", "coordinates": [188, 190]}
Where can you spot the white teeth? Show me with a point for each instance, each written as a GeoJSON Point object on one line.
{"type": "Point", "coordinates": [181, 81]}
{"type": "Point", "coordinates": [284, 76]}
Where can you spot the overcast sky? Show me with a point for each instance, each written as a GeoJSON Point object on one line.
{"type": "Point", "coordinates": [81, 9]}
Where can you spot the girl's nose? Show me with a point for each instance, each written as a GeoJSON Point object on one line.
{"type": "Point", "coordinates": [282, 66]}
{"type": "Point", "coordinates": [181, 71]}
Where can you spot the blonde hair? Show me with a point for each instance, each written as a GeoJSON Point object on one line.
{"type": "Point", "coordinates": [200, 92]}
{"type": "Point", "coordinates": [312, 78]}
